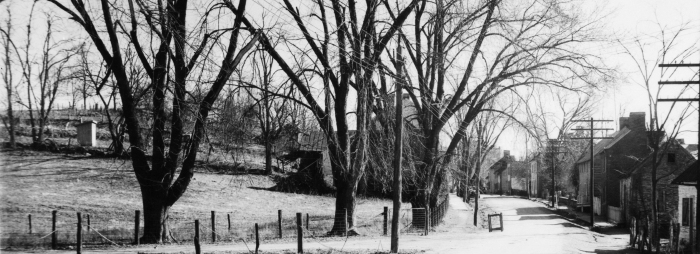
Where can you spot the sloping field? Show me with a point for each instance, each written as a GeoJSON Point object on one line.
{"type": "Point", "coordinates": [36, 183]}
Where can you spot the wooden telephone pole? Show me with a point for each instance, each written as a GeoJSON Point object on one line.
{"type": "Point", "coordinates": [592, 130]}
{"type": "Point", "coordinates": [694, 239]}
{"type": "Point", "coordinates": [398, 149]}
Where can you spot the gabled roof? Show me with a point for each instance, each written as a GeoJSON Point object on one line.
{"type": "Point", "coordinates": [604, 144]}
{"type": "Point", "coordinates": [689, 175]}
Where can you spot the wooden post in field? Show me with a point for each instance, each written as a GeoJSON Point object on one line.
{"type": "Point", "coordinates": [346, 221]}
{"type": "Point", "coordinates": [501, 221]}
{"type": "Point", "coordinates": [213, 226]}
{"type": "Point", "coordinates": [279, 223]}
{"type": "Point", "coordinates": [427, 220]}
{"type": "Point", "coordinates": [53, 230]}
{"type": "Point", "coordinates": [137, 222]}
{"type": "Point", "coordinates": [197, 248]}
{"type": "Point", "coordinates": [88, 222]}
{"type": "Point", "coordinates": [386, 221]}
{"type": "Point", "coordinates": [300, 235]}
{"type": "Point", "coordinates": [257, 239]}
{"type": "Point", "coordinates": [79, 235]}
{"type": "Point", "coordinates": [228, 216]}
{"type": "Point", "coordinates": [29, 216]}
{"type": "Point", "coordinates": [307, 221]}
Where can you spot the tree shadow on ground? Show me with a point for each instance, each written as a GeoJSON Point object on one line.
{"type": "Point", "coordinates": [532, 211]}
{"type": "Point", "coordinates": [624, 251]}
{"type": "Point", "coordinates": [546, 217]}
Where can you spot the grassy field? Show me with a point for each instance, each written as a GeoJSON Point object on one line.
{"type": "Point", "coordinates": [38, 182]}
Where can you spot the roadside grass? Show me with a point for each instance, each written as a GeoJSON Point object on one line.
{"type": "Point", "coordinates": [38, 182]}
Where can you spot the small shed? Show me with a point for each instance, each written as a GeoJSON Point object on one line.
{"type": "Point", "coordinates": [87, 133]}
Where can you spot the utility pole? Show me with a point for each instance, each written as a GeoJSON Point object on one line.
{"type": "Point", "coordinates": [592, 130]}
{"type": "Point", "coordinates": [478, 172]}
{"type": "Point", "coordinates": [554, 146]}
{"type": "Point", "coordinates": [694, 239]}
{"type": "Point", "coordinates": [398, 149]}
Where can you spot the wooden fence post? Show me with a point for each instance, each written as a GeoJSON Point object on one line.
{"type": "Point", "coordinates": [53, 230]}
{"type": "Point", "coordinates": [307, 221]}
{"type": "Point", "coordinates": [213, 226]}
{"type": "Point", "coordinates": [300, 235]}
{"type": "Point", "coordinates": [386, 217]}
{"type": "Point", "coordinates": [346, 221]}
{"type": "Point", "coordinates": [88, 222]}
{"type": "Point", "coordinates": [257, 239]}
{"type": "Point", "coordinates": [228, 216]}
{"type": "Point", "coordinates": [279, 223]}
{"type": "Point", "coordinates": [137, 226]}
{"type": "Point", "coordinates": [29, 216]}
{"type": "Point", "coordinates": [79, 235]}
{"type": "Point", "coordinates": [501, 221]}
{"type": "Point", "coordinates": [197, 248]}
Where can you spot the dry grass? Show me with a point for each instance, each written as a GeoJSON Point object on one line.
{"type": "Point", "coordinates": [37, 183]}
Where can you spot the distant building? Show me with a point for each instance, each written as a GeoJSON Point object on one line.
{"type": "Point", "coordinates": [534, 180]}
{"type": "Point", "coordinates": [508, 176]}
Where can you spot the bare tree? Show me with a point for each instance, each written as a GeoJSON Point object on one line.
{"type": "Point", "coordinates": [466, 55]}
{"type": "Point", "coordinates": [168, 65]}
{"type": "Point", "coordinates": [8, 78]}
{"type": "Point", "coordinates": [664, 126]}
{"type": "Point", "coordinates": [359, 48]}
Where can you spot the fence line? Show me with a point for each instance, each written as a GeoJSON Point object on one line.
{"type": "Point", "coordinates": [113, 229]}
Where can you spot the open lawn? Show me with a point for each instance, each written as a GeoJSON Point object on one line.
{"type": "Point", "coordinates": [38, 182]}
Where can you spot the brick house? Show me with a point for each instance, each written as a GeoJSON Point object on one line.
{"type": "Point", "coordinates": [637, 187]}
{"type": "Point", "coordinates": [611, 159]}
{"type": "Point", "coordinates": [508, 176]}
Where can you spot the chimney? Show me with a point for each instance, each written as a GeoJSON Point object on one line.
{"type": "Point", "coordinates": [405, 96]}
{"type": "Point", "coordinates": [506, 153]}
{"type": "Point", "coordinates": [681, 141]}
{"type": "Point", "coordinates": [637, 121]}
{"type": "Point", "coordinates": [623, 122]}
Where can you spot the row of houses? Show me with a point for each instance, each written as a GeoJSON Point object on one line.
{"type": "Point", "coordinates": [622, 177]}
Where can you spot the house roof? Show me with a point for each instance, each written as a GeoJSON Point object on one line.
{"type": "Point", "coordinates": [640, 164]}
{"type": "Point", "coordinates": [689, 175]}
{"type": "Point", "coordinates": [692, 149]}
{"type": "Point", "coordinates": [312, 141]}
{"type": "Point", "coordinates": [605, 144]}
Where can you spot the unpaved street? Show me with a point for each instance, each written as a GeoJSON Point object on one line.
{"type": "Point", "coordinates": [529, 228]}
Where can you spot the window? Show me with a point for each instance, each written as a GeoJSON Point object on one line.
{"type": "Point", "coordinates": [671, 158]}
{"type": "Point", "coordinates": [685, 212]}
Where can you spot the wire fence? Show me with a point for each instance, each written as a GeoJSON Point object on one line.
{"type": "Point", "coordinates": [59, 229]}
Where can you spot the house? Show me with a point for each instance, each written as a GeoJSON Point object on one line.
{"type": "Point", "coordinates": [636, 196]}
{"type": "Point", "coordinates": [687, 200]}
{"type": "Point", "coordinates": [508, 176]}
{"type": "Point", "coordinates": [611, 159]}
{"type": "Point", "coordinates": [533, 180]}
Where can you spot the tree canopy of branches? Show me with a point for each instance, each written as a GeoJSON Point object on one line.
{"type": "Point", "coordinates": [463, 56]}
{"type": "Point", "coordinates": [168, 62]}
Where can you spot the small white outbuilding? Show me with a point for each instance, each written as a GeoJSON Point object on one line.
{"type": "Point", "coordinates": [87, 133]}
